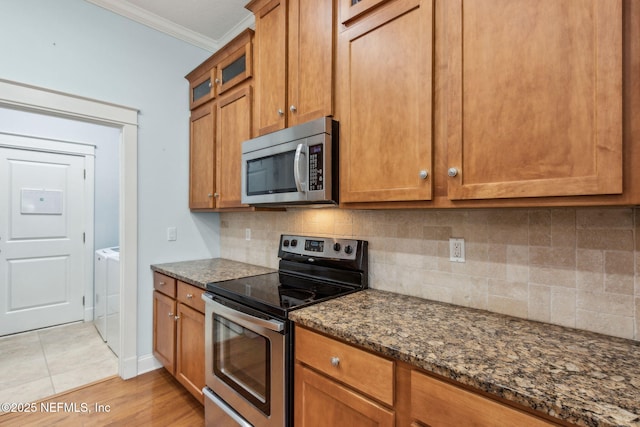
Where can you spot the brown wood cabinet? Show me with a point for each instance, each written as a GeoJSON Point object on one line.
{"type": "Point", "coordinates": [534, 98]}
{"type": "Point", "coordinates": [220, 121]}
{"type": "Point", "coordinates": [385, 106]}
{"type": "Point", "coordinates": [347, 385]}
{"type": "Point", "coordinates": [294, 61]}
{"type": "Point", "coordinates": [351, 386]}
{"type": "Point", "coordinates": [500, 104]}
{"type": "Point", "coordinates": [178, 331]}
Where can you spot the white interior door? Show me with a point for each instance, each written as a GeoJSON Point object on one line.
{"type": "Point", "coordinates": [42, 202]}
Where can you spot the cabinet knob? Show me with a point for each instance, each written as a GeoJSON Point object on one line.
{"type": "Point", "coordinates": [189, 296]}
{"type": "Point", "coordinates": [217, 81]}
{"type": "Point", "coordinates": [335, 361]}
{"type": "Point", "coordinates": [424, 174]}
{"type": "Point", "coordinates": [170, 314]}
{"type": "Point", "coordinates": [216, 195]}
{"type": "Point", "coordinates": [452, 172]}
{"type": "Point", "coordinates": [293, 109]}
{"type": "Point", "coordinates": [161, 283]}
{"type": "Point", "coordinates": [210, 195]}
{"type": "Point", "coordinates": [176, 318]}
{"type": "Point", "coordinates": [280, 112]}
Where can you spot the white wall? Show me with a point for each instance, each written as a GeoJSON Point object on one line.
{"type": "Point", "coordinates": [78, 48]}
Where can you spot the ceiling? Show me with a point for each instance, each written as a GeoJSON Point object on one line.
{"type": "Point", "coordinates": [208, 24]}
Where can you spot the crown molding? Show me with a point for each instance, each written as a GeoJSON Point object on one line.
{"type": "Point", "coordinates": [161, 24]}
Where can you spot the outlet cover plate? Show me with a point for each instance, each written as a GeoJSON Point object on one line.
{"type": "Point", "coordinates": [456, 250]}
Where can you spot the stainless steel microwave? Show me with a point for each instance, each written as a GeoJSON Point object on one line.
{"type": "Point", "coordinates": [293, 166]}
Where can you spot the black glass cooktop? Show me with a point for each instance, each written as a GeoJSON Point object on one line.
{"type": "Point", "coordinates": [277, 293]}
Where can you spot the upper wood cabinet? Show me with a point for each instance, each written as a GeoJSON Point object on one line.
{"type": "Point", "coordinates": [220, 125]}
{"type": "Point", "coordinates": [385, 103]}
{"type": "Point", "coordinates": [534, 98]}
{"type": "Point", "coordinates": [499, 103]}
{"type": "Point", "coordinates": [293, 62]}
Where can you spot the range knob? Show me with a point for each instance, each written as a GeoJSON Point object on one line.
{"type": "Point", "coordinates": [294, 243]}
{"type": "Point", "coordinates": [348, 250]}
{"type": "Point", "coordinates": [285, 243]}
{"type": "Point", "coordinates": [337, 247]}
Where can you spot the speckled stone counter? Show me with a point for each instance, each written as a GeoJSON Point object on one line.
{"type": "Point", "coordinates": [580, 377]}
{"type": "Point", "coordinates": [203, 271]}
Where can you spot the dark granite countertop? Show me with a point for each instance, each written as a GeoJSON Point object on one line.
{"type": "Point", "coordinates": [203, 271]}
{"type": "Point", "coordinates": [580, 377]}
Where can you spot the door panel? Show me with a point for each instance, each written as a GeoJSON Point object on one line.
{"type": "Point", "coordinates": [42, 265]}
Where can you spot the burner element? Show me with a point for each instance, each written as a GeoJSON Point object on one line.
{"type": "Point", "coordinates": [294, 297]}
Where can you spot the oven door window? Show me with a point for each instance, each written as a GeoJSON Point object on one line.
{"type": "Point", "coordinates": [241, 359]}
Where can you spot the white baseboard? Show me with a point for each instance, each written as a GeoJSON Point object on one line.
{"type": "Point", "coordinates": [147, 363]}
{"type": "Point", "coordinates": [88, 314]}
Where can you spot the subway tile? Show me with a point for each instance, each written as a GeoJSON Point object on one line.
{"type": "Point", "coordinates": [619, 262]}
{"type": "Point", "coordinates": [619, 284]}
{"type": "Point", "coordinates": [616, 304]}
{"type": "Point", "coordinates": [552, 257]}
{"type": "Point", "coordinates": [539, 303]}
{"type": "Point", "coordinates": [552, 276]}
{"type": "Point", "coordinates": [607, 218]}
{"type": "Point", "coordinates": [508, 306]}
{"type": "Point", "coordinates": [605, 239]}
{"type": "Point", "coordinates": [590, 260]}
{"type": "Point", "coordinates": [604, 323]}
{"type": "Point", "coordinates": [563, 307]}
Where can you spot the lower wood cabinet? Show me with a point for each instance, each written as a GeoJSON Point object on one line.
{"type": "Point", "coordinates": [178, 331]}
{"type": "Point", "coordinates": [320, 401]}
{"type": "Point", "coordinates": [337, 383]}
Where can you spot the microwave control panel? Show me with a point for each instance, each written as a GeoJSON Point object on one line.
{"type": "Point", "coordinates": [316, 169]}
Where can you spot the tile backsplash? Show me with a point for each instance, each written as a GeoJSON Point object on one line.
{"type": "Point", "coordinates": [574, 267]}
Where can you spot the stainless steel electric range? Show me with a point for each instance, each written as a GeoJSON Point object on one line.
{"type": "Point", "coordinates": [248, 336]}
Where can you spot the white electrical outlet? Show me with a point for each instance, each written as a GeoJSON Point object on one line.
{"type": "Point", "coordinates": [456, 250]}
{"type": "Point", "coordinates": [247, 234]}
{"type": "Point", "coordinates": [172, 234]}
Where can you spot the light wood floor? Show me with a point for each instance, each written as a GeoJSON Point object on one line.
{"type": "Point", "coordinates": [151, 399]}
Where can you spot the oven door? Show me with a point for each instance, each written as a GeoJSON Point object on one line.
{"type": "Point", "coordinates": [245, 362]}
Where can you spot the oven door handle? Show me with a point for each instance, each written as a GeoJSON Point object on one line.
{"type": "Point", "coordinates": [225, 408]}
{"type": "Point", "coordinates": [243, 318]}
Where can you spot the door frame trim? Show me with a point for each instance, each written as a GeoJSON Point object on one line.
{"type": "Point", "coordinates": [31, 98]}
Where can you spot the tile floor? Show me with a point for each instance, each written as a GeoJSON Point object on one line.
{"type": "Point", "coordinates": [38, 364]}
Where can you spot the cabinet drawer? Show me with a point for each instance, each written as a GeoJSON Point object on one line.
{"type": "Point", "coordinates": [437, 403]}
{"type": "Point", "coordinates": [164, 284]}
{"type": "Point", "coordinates": [191, 295]}
{"type": "Point", "coordinates": [370, 374]}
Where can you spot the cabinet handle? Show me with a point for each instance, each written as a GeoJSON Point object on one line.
{"type": "Point", "coordinates": [210, 195]}
{"type": "Point", "coordinates": [176, 318]}
{"type": "Point", "coordinates": [293, 109]}
{"type": "Point", "coordinates": [335, 361]}
{"type": "Point", "coordinates": [189, 296]}
{"type": "Point", "coordinates": [280, 112]}
{"type": "Point", "coordinates": [424, 174]}
{"type": "Point", "coordinates": [161, 283]}
{"type": "Point", "coordinates": [217, 81]}
{"type": "Point", "coordinates": [216, 195]}
{"type": "Point", "coordinates": [170, 314]}
{"type": "Point", "coordinates": [452, 172]}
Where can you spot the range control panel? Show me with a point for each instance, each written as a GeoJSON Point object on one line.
{"type": "Point", "coordinates": [321, 247]}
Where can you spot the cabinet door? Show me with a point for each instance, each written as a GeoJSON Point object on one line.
{"type": "Point", "coordinates": [321, 402]}
{"type": "Point", "coordinates": [270, 63]}
{"type": "Point", "coordinates": [310, 60]}
{"type": "Point", "coordinates": [202, 89]}
{"type": "Point", "coordinates": [234, 127]}
{"type": "Point", "coordinates": [202, 158]}
{"type": "Point", "coordinates": [436, 403]}
{"type": "Point", "coordinates": [164, 330]}
{"type": "Point", "coordinates": [190, 370]}
{"type": "Point", "coordinates": [386, 104]}
{"type": "Point", "coordinates": [534, 98]}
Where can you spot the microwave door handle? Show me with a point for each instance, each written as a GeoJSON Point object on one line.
{"type": "Point", "coordinates": [300, 185]}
